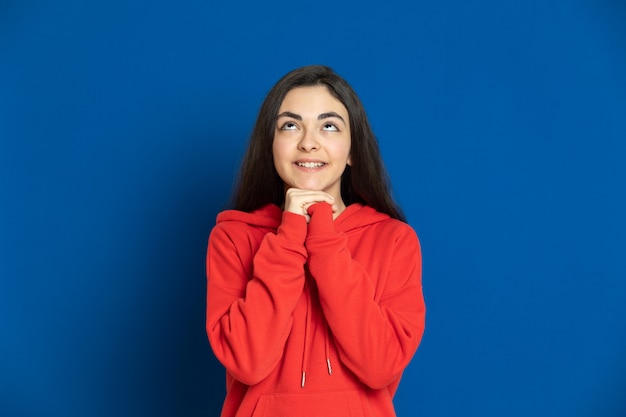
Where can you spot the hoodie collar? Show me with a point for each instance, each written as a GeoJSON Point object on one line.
{"type": "Point", "coordinates": [353, 217]}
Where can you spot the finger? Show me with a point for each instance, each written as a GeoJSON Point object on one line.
{"type": "Point", "coordinates": [296, 197]}
{"type": "Point", "coordinates": [299, 201]}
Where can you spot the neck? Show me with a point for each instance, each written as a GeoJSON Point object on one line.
{"type": "Point", "coordinates": [340, 208]}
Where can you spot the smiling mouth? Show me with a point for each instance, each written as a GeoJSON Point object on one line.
{"type": "Point", "coordinates": [310, 164]}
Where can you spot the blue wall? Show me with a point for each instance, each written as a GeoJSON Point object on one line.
{"type": "Point", "coordinates": [503, 125]}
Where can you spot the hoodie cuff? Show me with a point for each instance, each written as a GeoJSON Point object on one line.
{"type": "Point", "coordinates": [321, 222]}
{"type": "Point", "coordinates": [293, 227]}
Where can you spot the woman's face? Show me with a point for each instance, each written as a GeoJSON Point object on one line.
{"type": "Point", "coordinates": [311, 145]}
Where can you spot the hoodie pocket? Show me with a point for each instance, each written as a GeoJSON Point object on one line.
{"type": "Point", "coordinates": [324, 404]}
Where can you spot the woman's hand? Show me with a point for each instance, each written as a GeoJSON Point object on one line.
{"type": "Point", "coordinates": [298, 201]}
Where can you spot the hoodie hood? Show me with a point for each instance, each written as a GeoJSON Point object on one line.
{"type": "Point", "coordinates": [353, 217]}
{"type": "Point", "coordinates": [268, 216]}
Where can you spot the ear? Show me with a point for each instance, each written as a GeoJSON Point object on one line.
{"type": "Point", "coordinates": [349, 161]}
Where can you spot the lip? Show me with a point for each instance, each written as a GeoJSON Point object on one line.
{"type": "Point", "coordinates": [310, 160]}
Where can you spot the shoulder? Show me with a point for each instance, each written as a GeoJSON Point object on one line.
{"type": "Point", "coordinates": [235, 222]}
{"type": "Point", "coordinates": [369, 218]}
{"type": "Point", "coordinates": [237, 232]}
{"type": "Point", "coordinates": [232, 239]}
{"type": "Point", "coordinates": [368, 228]}
{"type": "Point", "coordinates": [397, 232]}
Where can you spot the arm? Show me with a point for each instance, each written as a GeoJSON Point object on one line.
{"type": "Point", "coordinates": [251, 297]}
{"type": "Point", "coordinates": [376, 335]}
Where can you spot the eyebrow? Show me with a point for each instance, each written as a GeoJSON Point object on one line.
{"type": "Point", "coordinates": [330, 114]}
{"type": "Point", "coordinates": [289, 114]}
{"type": "Point", "coordinates": [320, 117]}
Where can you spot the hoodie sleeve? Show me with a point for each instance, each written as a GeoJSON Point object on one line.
{"type": "Point", "coordinates": [251, 297]}
{"type": "Point", "coordinates": [376, 330]}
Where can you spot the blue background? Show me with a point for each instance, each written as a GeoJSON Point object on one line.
{"type": "Point", "coordinates": [502, 123]}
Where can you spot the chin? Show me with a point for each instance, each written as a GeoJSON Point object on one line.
{"type": "Point", "coordinates": [311, 187]}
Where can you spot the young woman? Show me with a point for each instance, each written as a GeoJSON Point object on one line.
{"type": "Point", "coordinates": [314, 295]}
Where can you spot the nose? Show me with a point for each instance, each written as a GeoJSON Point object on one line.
{"type": "Point", "coordinates": [308, 141]}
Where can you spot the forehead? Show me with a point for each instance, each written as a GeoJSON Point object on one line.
{"type": "Point", "coordinates": [314, 99]}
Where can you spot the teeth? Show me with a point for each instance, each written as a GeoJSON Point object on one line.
{"type": "Point", "coordinates": [310, 164]}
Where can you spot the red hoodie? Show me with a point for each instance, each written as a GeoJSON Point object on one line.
{"type": "Point", "coordinates": [315, 319]}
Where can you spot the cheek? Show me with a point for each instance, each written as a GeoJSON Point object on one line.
{"type": "Point", "coordinates": [276, 149]}
{"type": "Point", "coordinates": [279, 153]}
{"type": "Point", "coordinates": [348, 151]}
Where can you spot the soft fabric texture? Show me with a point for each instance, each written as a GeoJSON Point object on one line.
{"type": "Point", "coordinates": [316, 319]}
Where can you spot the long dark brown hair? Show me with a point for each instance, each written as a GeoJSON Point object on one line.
{"type": "Point", "coordinates": [366, 181]}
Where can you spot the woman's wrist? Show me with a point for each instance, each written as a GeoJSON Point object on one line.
{"type": "Point", "coordinates": [322, 221]}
